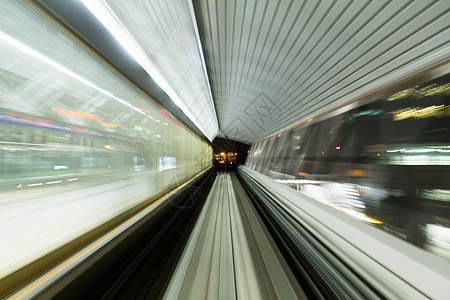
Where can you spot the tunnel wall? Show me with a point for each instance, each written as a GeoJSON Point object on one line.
{"type": "Point", "coordinates": [79, 143]}
{"type": "Point", "coordinates": [383, 159]}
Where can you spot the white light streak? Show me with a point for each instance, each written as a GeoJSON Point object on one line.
{"type": "Point", "coordinates": [54, 182]}
{"type": "Point", "coordinates": [101, 10]}
{"type": "Point", "coordinates": [24, 48]}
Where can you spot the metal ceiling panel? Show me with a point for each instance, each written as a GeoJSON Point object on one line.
{"type": "Point", "coordinates": [275, 63]}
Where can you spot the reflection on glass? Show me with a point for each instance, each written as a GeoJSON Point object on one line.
{"type": "Point", "coordinates": [167, 163]}
{"type": "Point", "coordinates": [386, 162]}
{"type": "Point", "coordinates": [78, 144]}
{"type": "Point", "coordinates": [438, 239]}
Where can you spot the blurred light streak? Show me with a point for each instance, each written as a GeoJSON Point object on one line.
{"type": "Point", "coordinates": [54, 182]}
{"type": "Point", "coordinates": [60, 167]}
{"type": "Point", "coordinates": [102, 11]}
{"type": "Point", "coordinates": [166, 113]}
{"type": "Point", "coordinates": [436, 194]}
{"type": "Point", "coordinates": [416, 160]}
{"type": "Point", "coordinates": [357, 173]}
{"type": "Point", "coordinates": [75, 114]}
{"type": "Point", "coordinates": [109, 125]}
{"type": "Point", "coordinates": [143, 109]}
{"type": "Point", "coordinates": [438, 235]}
{"type": "Point", "coordinates": [401, 94]}
{"type": "Point", "coordinates": [330, 193]}
{"type": "Point", "coordinates": [296, 181]}
{"type": "Point", "coordinates": [430, 90]}
{"type": "Point", "coordinates": [437, 111]}
{"type": "Point", "coordinates": [15, 43]}
{"type": "Point", "coordinates": [357, 215]}
{"type": "Point", "coordinates": [42, 123]}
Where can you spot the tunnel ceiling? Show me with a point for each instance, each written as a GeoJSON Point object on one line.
{"type": "Point", "coordinates": [272, 64]}
{"type": "Point", "coordinates": [275, 63]}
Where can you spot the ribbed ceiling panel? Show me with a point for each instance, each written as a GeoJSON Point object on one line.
{"type": "Point", "coordinates": [274, 63]}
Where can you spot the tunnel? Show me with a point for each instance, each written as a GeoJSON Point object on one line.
{"type": "Point", "coordinates": [213, 149]}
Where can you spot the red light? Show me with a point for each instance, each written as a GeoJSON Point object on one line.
{"type": "Point", "coordinates": [166, 113]}
{"type": "Point", "coordinates": [143, 109]}
{"type": "Point", "coordinates": [75, 114]}
{"type": "Point", "coordinates": [103, 124]}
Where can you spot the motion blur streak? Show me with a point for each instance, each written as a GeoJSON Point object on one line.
{"type": "Point", "coordinates": [79, 145]}
{"type": "Point", "coordinates": [384, 160]}
{"type": "Point", "coordinates": [193, 97]}
{"type": "Point", "coordinates": [230, 255]}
